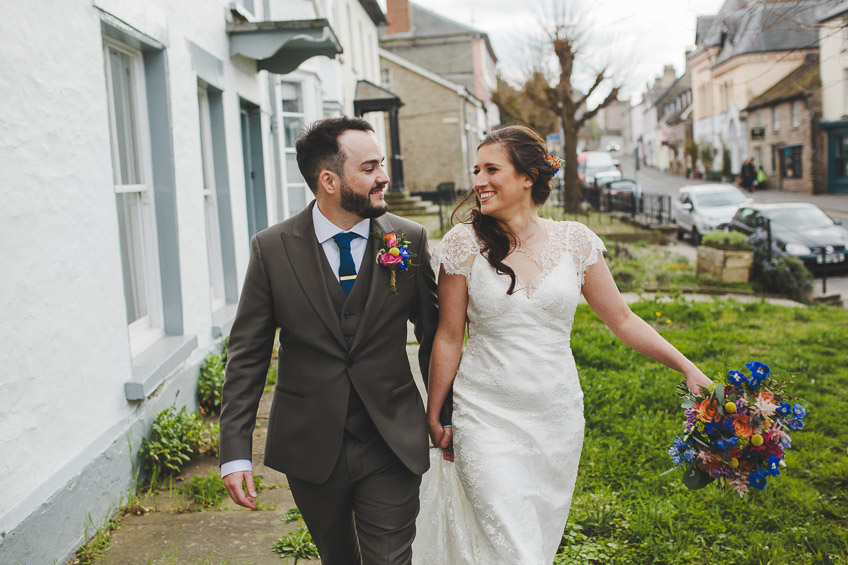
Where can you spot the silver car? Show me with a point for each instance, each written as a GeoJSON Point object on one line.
{"type": "Point", "coordinates": [700, 209]}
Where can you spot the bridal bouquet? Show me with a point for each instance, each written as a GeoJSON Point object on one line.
{"type": "Point", "coordinates": [736, 432]}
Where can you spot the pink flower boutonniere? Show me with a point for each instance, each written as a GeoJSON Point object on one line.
{"type": "Point", "coordinates": [393, 254]}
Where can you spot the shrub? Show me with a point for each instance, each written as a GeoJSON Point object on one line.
{"type": "Point", "coordinates": [727, 241]}
{"type": "Point", "coordinates": [174, 436]}
{"type": "Point", "coordinates": [714, 176]}
{"type": "Point", "coordinates": [209, 385]}
{"type": "Point", "coordinates": [778, 272]}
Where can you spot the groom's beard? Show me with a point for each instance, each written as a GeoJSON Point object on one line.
{"type": "Point", "coordinates": [360, 204]}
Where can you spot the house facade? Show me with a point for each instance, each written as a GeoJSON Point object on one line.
{"type": "Point", "coordinates": [460, 54]}
{"type": "Point", "coordinates": [441, 124]}
{"type": "Point", "coordinates": [672, 131]}
{"type": "Point", "coordinates": [833, 43]}
{"type": "Point", "coordinates": [141, 152]}
{"type": "Point", "coordinates": [740, 53]}
{"type": "Point", "coordinates": [786, 138]}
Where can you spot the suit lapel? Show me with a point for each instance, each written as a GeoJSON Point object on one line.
{"type": "Point", "coordinates": [378, 288]}
{"type": "Point", "coordinates": [307, 258]}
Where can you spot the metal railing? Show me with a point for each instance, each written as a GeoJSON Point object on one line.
{"type": "Point", "coordinates": [655, 209]}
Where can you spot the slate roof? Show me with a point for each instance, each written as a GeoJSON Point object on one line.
{"type": "Point", "coordinates": [800, 83]}
{"type": "Point", "coordinates": [837, 11]}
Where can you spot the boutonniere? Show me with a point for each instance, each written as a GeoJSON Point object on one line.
{"type": "Point", "coordinates": [393, 254]}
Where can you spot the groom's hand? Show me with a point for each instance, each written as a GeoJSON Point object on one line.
{"type": "Point", "coordinates": [235, 483]}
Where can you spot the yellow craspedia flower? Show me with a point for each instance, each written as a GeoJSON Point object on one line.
{"type": "Point", "coordinates": [658, 314]}
{"type": "Point", "coordinates": [756, 440]}
{"type": "Point", "coordinates": [734, 462]}
{"type": "Point", "coordinates": [394, 251]}
{"type": "Point", "coordinates": [730, 407]}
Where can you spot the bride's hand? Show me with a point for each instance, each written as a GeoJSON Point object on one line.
{"type": "Point", "coordinates": [442, 438]}
{"type": "Point", "coordinates": [695, 379]}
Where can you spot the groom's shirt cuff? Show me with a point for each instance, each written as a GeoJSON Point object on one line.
{"type": "Point", "coordinates": [235, 466]}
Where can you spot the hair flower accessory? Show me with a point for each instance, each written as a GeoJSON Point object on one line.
{"type": "Point", "coordinates": [556, 163]}
{"type": "Point", "coordinates": [394, 254]}
{"type": "Point", "coordinates": [736, 432]}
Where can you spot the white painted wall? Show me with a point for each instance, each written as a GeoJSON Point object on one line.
{"type": "Point", "coordinates": [65, 352]}
{"type": "Point", "coordinates": [833, 46]}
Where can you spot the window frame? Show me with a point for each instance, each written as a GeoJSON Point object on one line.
{"type": "Point", "coordinates": [289, 149]}
{"type": "Point", "coordinates": [795, 113]}
{"type": "Point", "coordinates": [775, 121]}
{"type": "Point", "coordinates": [217, 288]}
{"type": "Point", "coordinates": [146, 329]}
{"type": "Point", "coordinates": [796, 158]}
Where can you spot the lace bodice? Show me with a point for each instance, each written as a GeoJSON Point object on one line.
{"type": "Point", "coordinates": [459, 249]}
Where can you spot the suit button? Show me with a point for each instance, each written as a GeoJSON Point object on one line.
{"type": "Point", "coordinates": [347, 314]}
{"type": "Point", "coordinates": [348, 336]}
{"type": "Point", "coordinates": [351, 363]}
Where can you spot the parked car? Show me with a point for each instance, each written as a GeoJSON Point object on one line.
{"type": "Point", "coordinates": [590, 162]}
{"type": "Point", "coordinates": [700, 209]}
{"type": "Point", "coordinates": [612, 189]}
{"type": "Point", "coordinates": [799, 229]}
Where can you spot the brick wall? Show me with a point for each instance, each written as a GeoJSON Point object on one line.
{"type": "Point", "coordinates": [431, 130]}
{"type": "Point", "coordinates": [807, 134]}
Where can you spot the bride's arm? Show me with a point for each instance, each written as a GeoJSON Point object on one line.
{"type": "Point", "coordinates": [603, 296]}
{"type": "Point", "coordinates": [447, 348]}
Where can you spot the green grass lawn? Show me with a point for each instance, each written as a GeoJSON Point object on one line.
{"type": "Point", "coordinates": [626, 511]}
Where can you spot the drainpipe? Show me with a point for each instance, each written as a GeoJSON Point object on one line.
{"type": "Point", "coordinates": [275, 128]}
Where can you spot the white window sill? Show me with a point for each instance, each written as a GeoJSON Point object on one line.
{"type": "Point", "coordinates": [150, 368]}
{"type": "Point", "coordinates": [222, 320]}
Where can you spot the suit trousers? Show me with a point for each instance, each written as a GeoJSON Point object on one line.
{"type": "Point", "coordinates": [364, 514]}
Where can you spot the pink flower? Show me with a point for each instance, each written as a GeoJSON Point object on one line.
{"type": "Point", "coordinates": [389, 260]}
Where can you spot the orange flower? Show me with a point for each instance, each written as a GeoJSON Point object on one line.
{"type": "Point", "coordinates": [707, 411]}
{"type": "Point", "coordinates": [389, 236]}
{"type": "Point", "coordinates": [742, 426]}
{"type": "Point", "coordinates": [766, 396]}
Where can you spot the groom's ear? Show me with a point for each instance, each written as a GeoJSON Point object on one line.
{"type": "Point", "coordinates": [328, 182]}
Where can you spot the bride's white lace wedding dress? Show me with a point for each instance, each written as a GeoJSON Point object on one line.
{"type": "Point", "coordinates": [518, 410]}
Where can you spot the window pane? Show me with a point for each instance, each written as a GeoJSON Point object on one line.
{"type": "Point", "coordinates": [125, 118]}
{"type": "Point", "coordinates": [132, 254]}
{"type": "Point", "coordinates": [297, 198]}
{"type": "Point", "coordinates": [292, 172]}
{"type": "Point", "coordinates": [291, 129]}
{"type": "Point", "coordinates": [292, 99]}
{"type": "Point", "coordinates": [213, 248]}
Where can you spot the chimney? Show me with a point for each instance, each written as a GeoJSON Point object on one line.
{"type": "Point", "coordinates": [399, 15]}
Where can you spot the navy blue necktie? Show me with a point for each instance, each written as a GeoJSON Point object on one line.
{"type": "Point", "coordinates": [347, 268]}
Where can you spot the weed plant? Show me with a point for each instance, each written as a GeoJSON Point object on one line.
{"type": "Point", "coordinates": [174, 437]}
{"type": "Point", "coordinates": [207, 492]}
{"type": "Point", "coordinates": [626, 511]}
{"type": "Point", "coordinates": [210, 384]}
{"type": "Point", "coordinates": [297, 545]}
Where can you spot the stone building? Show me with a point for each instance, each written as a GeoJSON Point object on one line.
{"type": "Point", "coordinates": [740, 53]}
{"type": "Point", "coordinates": [441, 124]}
{"type": "Point", "coordinates": [674, 125]}
{"type": "Point", "coordinates": [786, 138]}
{"type": "Point", "coordinates": [459, 53]}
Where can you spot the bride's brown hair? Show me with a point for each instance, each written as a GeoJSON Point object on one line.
{"type": "Point", "coordinates": [526, 152]}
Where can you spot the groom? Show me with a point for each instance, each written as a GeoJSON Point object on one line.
{"type": "Point", "coordinates": [347, 424]}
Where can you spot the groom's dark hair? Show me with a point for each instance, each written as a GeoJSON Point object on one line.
{"type": "Point", "coordinates": [318, 147]}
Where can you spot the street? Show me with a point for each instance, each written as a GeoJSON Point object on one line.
{"type": "Point", "coordinates": [653, 181]}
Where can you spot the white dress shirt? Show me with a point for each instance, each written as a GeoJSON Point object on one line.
{"type": "Point", "coordinates": [324, 232]}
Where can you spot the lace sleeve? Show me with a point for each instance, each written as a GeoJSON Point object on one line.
{"type": "Point", "coordinates": [587, 248]}
{"type": "Point", "coordinates": [456, 251]}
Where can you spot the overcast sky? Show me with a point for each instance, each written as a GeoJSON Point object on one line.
{"type": "Point", "coordinates": [635, 37]}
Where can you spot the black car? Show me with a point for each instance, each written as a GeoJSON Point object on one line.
{"type": "Point", "coordinates": [799, 229]}
{"type": "Point", "coordinates": [619, 194]}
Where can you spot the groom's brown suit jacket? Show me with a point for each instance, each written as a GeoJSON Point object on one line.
{"type": "Point", "coordinates": [288, 286]}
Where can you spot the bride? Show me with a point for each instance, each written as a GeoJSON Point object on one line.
{"type": "Point", "coordinates": [500, 491]}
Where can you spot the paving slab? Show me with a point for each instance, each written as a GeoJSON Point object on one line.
{"type": "Point", "coordinates": [234, 538]}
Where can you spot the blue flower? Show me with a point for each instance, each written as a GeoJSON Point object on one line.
{"type": "Point", "coordinates": [799, 411]}
{"type": "Point", "coordinates": [736, 378]}
{"type": "Point", "coordinates": [755, 380]}
{"type": "Point", "coordinates": [786, 442]}
{"type": "Point", "coordinates": [757, 480]}
{"type": "Point", "coordinates": [713, 428]}
{"type": "Point", "coordinates": [403, 265]}
{"type": "Point", "coordinates": [795, 423]}
{"type": "Point", "coordinates": [675, 451]}
{"type": "Point", "coordinates": [774, 466]}
{"type": "Point", "coordinates": [689, 455]}
{"type": "Point", "coordinates": [727, 444]}
{"type": "Point", "coordinates": [758, 370]}
{"type": "Point", "coordinates": [784, 409]}
{"type": "Point", "coordinates": [404, 252]}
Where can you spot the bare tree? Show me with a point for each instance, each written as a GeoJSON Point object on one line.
{"type": "Point", "coordinates": [567, 31]}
